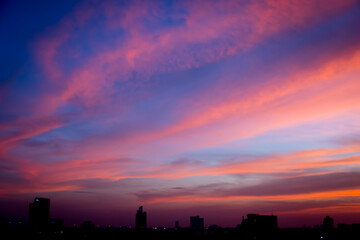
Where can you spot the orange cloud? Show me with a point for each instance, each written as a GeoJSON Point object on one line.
{"type": "Point", "coordinates": [328, 195]}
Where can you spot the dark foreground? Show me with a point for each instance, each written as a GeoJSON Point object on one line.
{"type": "Point", "coordinates": [20, 232]}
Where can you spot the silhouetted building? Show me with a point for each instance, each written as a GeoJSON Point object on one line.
{"type": "Point", "coordinates": [259, 226]}
{"type": "Point", "coordinates": [39, 213]}
{"type": "Point", "coordinates": [260, 222]}
{"type": "Point", "coordinates": [196, 222]}
{"type": "Point", "coordinates": [328, 223]}
{"type": "Point", "coordinates": [2, 222]}
{"type": "Point", "coordinates": [56, 225]}
{"type": "Point", "coordinates": [140, 218]}
{"type": "Point", "coordinates": [176, 224]}
{"type": "Point", "coordinates": [87, 226]}
{"type": "Point", "coordinates": [346, 231]}
{"type": "Point", "coordinates": [346, 227]}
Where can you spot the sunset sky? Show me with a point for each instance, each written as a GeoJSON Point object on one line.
{"type": "Point", "coordinates": [210, 108]}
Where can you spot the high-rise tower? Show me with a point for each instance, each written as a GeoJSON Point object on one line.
{"type": "Point", "coordinates": [140, 218]}
{"type": "Point", "coordinates": [39, 212]}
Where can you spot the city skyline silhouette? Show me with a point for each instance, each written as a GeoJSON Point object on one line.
{"type": "Point", "coordinates": [38, 216]}
{"type": "Point", "coordinates": [254, 226]}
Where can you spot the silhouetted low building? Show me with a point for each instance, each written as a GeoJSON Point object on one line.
{"type": "Point", "coordinates": [259, 226]}
{"type": "Point", "coordinates": [56, 225]}
{"type": "Point", "coordinates": [328, 223]}
{"type": "Point", "coordinates": [346, 227]}
{"type": "Point", "coordinates": [196, 222]}
{"type": "Point", "coordinates": [347, 231]}
{"type": "Point", "coordinates": [39, 213]}
{"type": "Point", "coordinates": [87, 226]}
{"type": "Point", "coordinates": [260, 222]}
{"type": "Point", "coordinates": [140, 218]}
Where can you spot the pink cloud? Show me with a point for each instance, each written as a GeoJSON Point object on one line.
{"type": "Point", "coordinates": [175, 49]}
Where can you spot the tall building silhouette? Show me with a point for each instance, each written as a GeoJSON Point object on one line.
{"type": "Point", "coordinates": [140, 218]}
{"type": "Point", "coordinates": [39, 212]}
{"type": "Point", "coordinates": [196, 222]}
{"type": "Point", "coordinates": [328, 223]}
